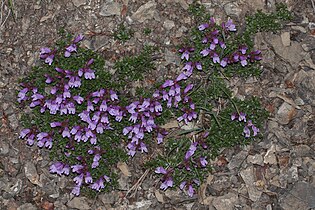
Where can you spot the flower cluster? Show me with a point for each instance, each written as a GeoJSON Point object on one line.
{"type": "Point", "coordinates": [100, 110]}
{"type": "Point", "coordinates": [242, 117]}
{"type": "Point", "coordinates": [215, 40]}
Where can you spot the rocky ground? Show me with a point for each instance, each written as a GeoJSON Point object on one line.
{"type": "Point", "coordinates": [276, 173]}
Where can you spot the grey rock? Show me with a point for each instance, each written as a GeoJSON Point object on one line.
{"type": "Point", "coordinates": [141, 205]}
{"type": "Point", "coordinates": [16, 188]}
{"type": "Point", "coordinates": [270, 157]}
{"type": "Point", "coordinates": [303, 151]}
{"type": "Point", "coordinates": [4, 148]}
{"type": "Point", "coordinates": [300, 197]}
{"type": "Point", "coordinates": [237, 160]}
{"type": "Point", "coordinates": [285, 113]}
{"type": "Point", "coordinates": [79, 203]}
{"type": "Point", "coordinates": [309, 43]}
{"type": "Point", "coordinates": [59, 205]}
{"type": "Point", "coordinates": [31, 173]}
{"type": "Point", "coordinates": [27, 206]}
{"type": "Point", "coordinates": [171, 57]}
{"type": "Point", "coordinates": [292, 53]}
{"type": "Point", "coordinates": [110, 8]}
{"type": "Point", "coordinates": [108, 198]}
{"type": "Point", "coordinates": [78, 3]}
{"type": "Point", "coordinates": [285, 38]}
{"type": "Point", "coordinates": [309, 81]}
{"type": "Point", "coordinates": [249, 179]}
{"type": "Point", "coordinates": [255, 159]}
{"type": "Point", "coordinates": [145, 12]}
{"type": "Point", "coordinates": [168, 24]}
{"type": "Point", "coordinates": [225, 202]}
{"type": "Point", "coordinates": [232, 9]}
{"type": "Point", "coordinates": [14, 122]}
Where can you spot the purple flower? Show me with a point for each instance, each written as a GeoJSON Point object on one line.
{"type": "Point", "coordinates": [229, 26]}
{"type": "Point", "coordinates": [88, 178]}
{"type": "Point", "coordinates": [185, 52]}
{"type": "Point", "coordinates": [78, 179]}
{"type": "Point", "coordinates": [47, 54]}
{"type": "Point", "coordinates": [143, 147]}
{"type": "Point", "coordinates": [160, 170]}
{"type": "Point", "coordinates": [255, 130]}
{"type": "Point", "coordinates": [182, 185]}
{"type": "Point", "coordinates": [159, 138]}
{"type": "Point", "coordinates": [76, 190]}
{"type": "Point", "coordinates": [246, 132]}
{"type": "Point", "coordinates": [190, 191]}
{"type": "Point", "coordinates": [223, 62]}
{"type": "Point", "coordinates": [203, 26]}
{"type": "Point", "coordinates": [234, 116]}
{"type": "Point", "coordinates": [22, 95]}
{"type": "Point", "coordinates": [77, 168]}
{"type": "Point", "coordinates": [168, 83]}
{"type": "Point", "coordinates": [243, 60]}
{"type": "Point", "coordinates": [242, 117]}
{"type": "Point", "coordinates": [24, 132]}
{"type": "Point", "coordinates": [205, 52]}
{"type": "Point", "coordinates": [188, 88]}
{"type": "Point", "coordinates": [191, 150]}
{"type": "Point", "coordinates": [167, 183]}
{"type": "Point", "coordinates": [203, 162]}
{"type": "Point", "coordinates": [59, 168]}
{"type": "Point", "coordinates": [98, 185]}
{"type": "Point", "coordinates": [113, 95]}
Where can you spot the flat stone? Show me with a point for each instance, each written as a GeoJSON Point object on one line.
{"type": "Point", "coordinates": [79, 203]}
{"type": "Point", "coordinates": [285, 113]}
{"type": "Point", "coordinates": [301, 197]}
{"type": "Point", "coordinates": [285, 38]}
{"type": "Point", "coordinates": [292, 53]}
{"type": "Point", "coordinates": [225, 202]}
{"type": "Point", "coordinates": [255, 159]}
{"type": "Point", "coordinates": [27, 206]}
{"type": "Point", "coordinates": [270, 157]}
{"type": "Point", "coordinates": [237, 160]}
{"type": "Point", "coordinates": [78, 3]}
{"type": "Point", "coordinates": [108, 198]}
{"type": "Point", "coordinates": [31, 173]}
{"type": "Point", "coordinates": [232, 9]}
{"type": "Point", "coordinates": [110, 8]}
{"type": "Point", "coordinates": [4, 148]}
{"type": "Point", "coordinates": [249, 179]}
{"type": "Point", "coordinates": [145, 12]}
{"type": "Point", "coordinates": [168, 24]}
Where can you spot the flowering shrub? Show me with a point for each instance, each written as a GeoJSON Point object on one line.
{"type": "Point", "coordinates": [88, 126]}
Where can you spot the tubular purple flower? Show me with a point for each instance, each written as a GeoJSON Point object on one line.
{"type": "Point", "coordinates": [88, 178]}
{"type": "Point", "coordinates": [24, 132]}
{"type": "Point", "coordinates": [113, 95]}
{"type": "Point", "coordinates": [255, 130]}
{"type": "Point", "coordinates": [77, 168]}
{"type": "Point", "coordinates": [79, 38]}
{"type": "Point", "coordinates": [203, 162]}
{"type": "Point", "coordinates": [160, 170]}
{"type": "Point", "coordinates": [78, 179]}
{"type": "Point", "coordinates": [98, 185]}
{"type": "Point", "coordinates": [246, 132]}
{"type": "Point", "coordinates": [167, 183]}
{"type": "Point", "coordinates": [242, 117]}
{"type": "Point", "coordinates": [203, 26]}
{"type": "Point", "coordinates": [190, 191]}
{"type": "Point", "coordinates": [188, 88]}
{"type": "Point", "coordinates": [76, 190]}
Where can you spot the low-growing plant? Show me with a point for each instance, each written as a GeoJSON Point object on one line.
{"type": "Point", "coordinates": [123, 33]}
{"type": "Point", "coordinates": [89, 121]}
